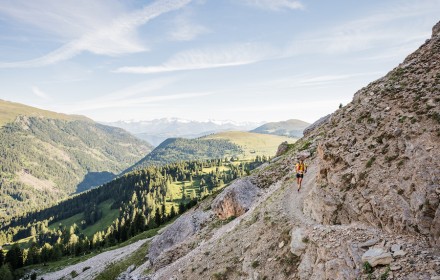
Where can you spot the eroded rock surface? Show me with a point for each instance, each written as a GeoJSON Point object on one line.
{"type": "Point", "coordinates": [236, 199]}
{"type": "Point", "coordinates": [184, 227]}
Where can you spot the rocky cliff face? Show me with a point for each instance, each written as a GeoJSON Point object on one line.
{"type": "Point", "coordinates": [368, 209]}
{"type": "Point", "coordinates": [379, 156]}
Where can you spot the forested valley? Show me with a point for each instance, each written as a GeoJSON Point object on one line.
{"type": "Point", "coordinates": [140, 200]}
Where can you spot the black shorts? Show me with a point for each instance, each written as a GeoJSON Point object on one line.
{"type": "Point", "coordinates": [299, 175]}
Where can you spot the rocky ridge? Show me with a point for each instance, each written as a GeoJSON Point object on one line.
{"type": "Point", "coordinates": [378, 156]}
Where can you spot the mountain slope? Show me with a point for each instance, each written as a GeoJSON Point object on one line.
{"type": "Point", "coordinates": [180, 149]}
{"type": "Point", "coordinates": [369, 207]}
{"type": "Point", "coordinates": [156, 131]}
{"type": "Point", "coordinates": [292, 128]}
{"type": "Point", "coordinates": [215, 146]}
{"type": "Point", "coordinates": [47, 156]}
{"type": "Point", "coordinates": [11, 110]}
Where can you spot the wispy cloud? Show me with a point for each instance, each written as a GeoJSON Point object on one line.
{"type": "Point", "coordinates": [233, 55]}
{"type": "Point", "coordinates": [389, 26]}
{"type": "Point", "coordinates": [38, 92]}
{"type": "Point", "coordinates": [276, 5]}
{"type": "Point", "coordinates": [136, 102]}
{"type": "Point", "coordinates": [142, 94]}
{"type": "Point", "coordinates": [186, 30]}
{"type": "Point", "coordinates": [107, 36]}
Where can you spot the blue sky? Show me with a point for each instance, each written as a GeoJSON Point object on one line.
{"type": "Point", "coordinates": [243, 60]}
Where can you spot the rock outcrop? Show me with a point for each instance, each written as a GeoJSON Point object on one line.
{"type": "Point", "coordinates": [436, 30]}
{"type": "Point", "coordinates": [236, 199]}
{"type": "Point", "coordinates": [379, 156]}
{"type": "Point", "coordinates": [282, 149]}
{"type": "Point", "coordinates": [298, 242]}
{"type": "Point", "coordinates": [316, 124]}
{"type": "Point", "coordinates": [184, 227]}
{"type": "Point", "coordinates": [377, 256]}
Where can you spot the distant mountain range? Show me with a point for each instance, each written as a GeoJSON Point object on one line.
{"type": "Point", "coordinates": [291, 128]}
{"type": "Point", "coordinates": [46, 156]}
{"type": "Point", "coordinates": [158, 130]}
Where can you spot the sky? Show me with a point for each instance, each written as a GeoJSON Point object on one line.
{"type": "Point", "coordinates": [241, 60]}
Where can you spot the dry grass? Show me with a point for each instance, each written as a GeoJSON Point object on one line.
{"type": "Point", "coordinates": [10, 111]}
{"type": "Point", "coordinates": [253, 144]}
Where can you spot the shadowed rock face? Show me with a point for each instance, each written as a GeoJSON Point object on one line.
{"type": "Point", "coordinates": [236, 199]}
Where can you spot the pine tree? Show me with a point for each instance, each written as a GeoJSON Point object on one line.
{"type": "Point", "coordinates": [15, 257]}
{"type": "Point", "coordinates": [5, 273]}
{"type": "Point", "coordinates": [173, 212]}
{"type": "Point", "coordinates": [46, 253]}
{"type": "Point", "coordinates": [33, 255]}
{"type": "Point", "coordinates": [158, 218]}
{"type": "Point", "coordinates": [181, 208]}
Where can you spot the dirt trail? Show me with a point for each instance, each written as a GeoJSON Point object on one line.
{"type": "Point", "coordinates": [293, 201]}
{"type": "Point", "coordinates": [96, 264]}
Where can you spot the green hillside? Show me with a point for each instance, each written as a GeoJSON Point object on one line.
{"type": "Point", "coordinates": [181, 149]}
{"type": "Point", "coordinates": [108, 216]}
{"type": "Point", "coordinates": [238, 144]}
{"type": "Point", "coordinates": [251, 144]}
{"type": "Point", "coordinates": [48, 156]}
{"type": "Point", "coordinates": [291, 128]}
{"type": "Point", "coordinates": [11, 110]}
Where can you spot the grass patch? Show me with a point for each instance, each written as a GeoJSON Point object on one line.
{"type": "Point", "coordinates": [113, 270]}
{"type": "Point", "coordinates": [10, 111]}
{"type": "Point", "coordinates": [219, 276]}
{"type": "Point", "coordinates": [435, 116]}
{"type": "Point", "coordinates": [253, 144]}
{"type": "Point", "coordinates": [368, 269]}
{"type": "Point", "coordinates": [75, 219]}
{"type": "Point", "coordinates": [108, 216]}
{"type": "Point", "coordinates": [255, 264]}
{"type": "Point", "coordinates": [74, 274]}
{"type": "Point", "coordinates": [385, 275]}
{"type": "Point", "coordinates": [370, 162]}
{"type": "Point", "coordinates": [391, 158]}
{"type": "Point", "coordinates": [305, 146]}
{"type": "Point", "coordinates": [402, 119]}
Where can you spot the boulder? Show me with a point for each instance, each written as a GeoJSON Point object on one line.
{"type": "Point", "coordinates": [297, 245]}
{"type": "Point", "coordinates": [281, 245]}
{"type": "Point", "coordinates": [377, 256]}
{"type": "Point", "coordinates": [126, 274]}
{"type": "Point", "coordinates": [282, 149]}
{"type": "Point", "coordinates": [369, 243]}
{"type": "Point", "coordinates": [395, 248]}
{"type": "Point", "coordinates": [399, 253]}
{"type": "Point", "coordinates": [184, 227]}
{"type": "Point", "coordinates": [235, 199]}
